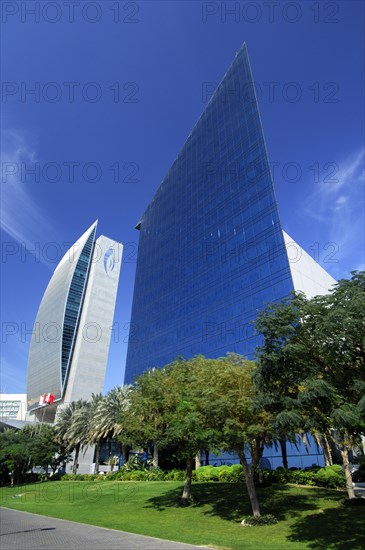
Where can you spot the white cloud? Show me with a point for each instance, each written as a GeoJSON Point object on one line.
{"type": "Point", "coordinates": [341, 201]}
{"type": "Point", "coordinates": [337, 191]}
{"type": "Point", "coordinates": [21, 218]}
{"type": "Point", "coordinates": [338, 205]}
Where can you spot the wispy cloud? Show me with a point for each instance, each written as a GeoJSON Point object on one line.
{"type": "Point", "coordinates": [338, 204]}
{"type": "Point", "coordinates": [21, 218]}
{"type": "Point", "coordinates": [336, 191]}
{"type": "Point", "coordinates": [13, 375]}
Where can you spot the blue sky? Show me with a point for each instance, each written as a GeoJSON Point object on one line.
{"type": "Point", "coordinates": [118, 87]}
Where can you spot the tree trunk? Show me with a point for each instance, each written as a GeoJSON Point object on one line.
{"type": "Point", "coordinates": [76, 459]}
{"type": "Point", "coordinates": [326, 451]}
{"type": "Point", "coordinates": [284, 454]}
{"type": "Point", "coordinates": [207, 458]}
{"type": "Point", "coordinates": [12, 478]}
{"type": "Point", "coordinates": [186, 496]}
{"type": "Point", "coordinates": [124, 454]}
{"type": "Point", "coordinates": [198, 460]}
{"type": "Point", "coordinates": [155, 455]}
{"type": "Point", "coordinates": [249, 473]}
{"type": "Point", "coordinates": [261, 475]}
{"type": "Point", "coordinates": [346, 463]}
{"type": "Point", "coordinates": [97, 457]}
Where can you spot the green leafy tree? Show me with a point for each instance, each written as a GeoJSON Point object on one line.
{"type": "Point", "coordinates": [144, 422]}
{"type": "Point", "coordinates": [44, 448]}
{"type": "Point", "coordinates": [184, 413]}
{"type": "Point", "coordinates": [167, 412]}
{"type": "Point", "coordinates": [33, 445]}
{"type": "Point", "coordinates": [14, 455]}
{"type": "Point", "coordinates": [204, 403]}
{"type": "Point", "coordinates": [312, 364]}
{"type": "Point", "coordinates": [240, 424]}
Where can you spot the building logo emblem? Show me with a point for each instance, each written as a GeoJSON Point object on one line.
{"type": "Point", "coordinates": [109, 260]}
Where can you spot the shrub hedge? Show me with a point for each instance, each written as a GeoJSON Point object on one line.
{"type": "Point", "coordinates": [226, 474]}
{"type": "Point", "coordinates": [83, 477]}
{"type": "Point", "coordinates": [331, 477]}
{"type": "Point", "coordinates": [269, 519]}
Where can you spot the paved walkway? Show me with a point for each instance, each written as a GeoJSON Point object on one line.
{"type": "Point", "coordinates": [25, 531]}
{"type": "Point", "coordinates": [359, 489]}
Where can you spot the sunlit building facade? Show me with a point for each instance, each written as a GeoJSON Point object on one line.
{"type": "Point", "coordinates": [71, 335]}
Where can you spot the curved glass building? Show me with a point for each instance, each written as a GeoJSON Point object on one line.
{"type": "Point", "coordinates": [70, 340]}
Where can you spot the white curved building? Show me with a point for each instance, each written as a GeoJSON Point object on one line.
{"type": "Point", "coordinates": [71, 336]}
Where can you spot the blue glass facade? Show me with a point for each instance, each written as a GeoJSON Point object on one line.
{"type": "Point", "coordinates": [211, 249]}
{"type": "Point", "coordinates": [74, 302]}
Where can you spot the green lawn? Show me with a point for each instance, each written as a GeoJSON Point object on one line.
{"type": "Point", "coordinates": [309, 517]}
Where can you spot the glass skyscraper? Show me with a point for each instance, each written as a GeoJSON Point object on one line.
{"type": "Point", "coordinates": [212, 252]}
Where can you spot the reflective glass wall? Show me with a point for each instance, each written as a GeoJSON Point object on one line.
{"type": "Point", "coordinates": [211, 251]}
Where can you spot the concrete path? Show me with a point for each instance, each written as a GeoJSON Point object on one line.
{"type": "Point", "coordinates": [25, 531]}
{"type": "Point", "coordinates": [359, 489]}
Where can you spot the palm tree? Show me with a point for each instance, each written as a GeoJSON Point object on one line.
{"type": "Point", "coordinates": [66, 431]}
{"type": "Point", "coordinates": [93, 436]}
{"type": "Point", "coordinates": [83, 427]}
{"type": "Point", "coordinates": [108, 415]}
{"type": "Point", "coordinates": [64, 420]}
